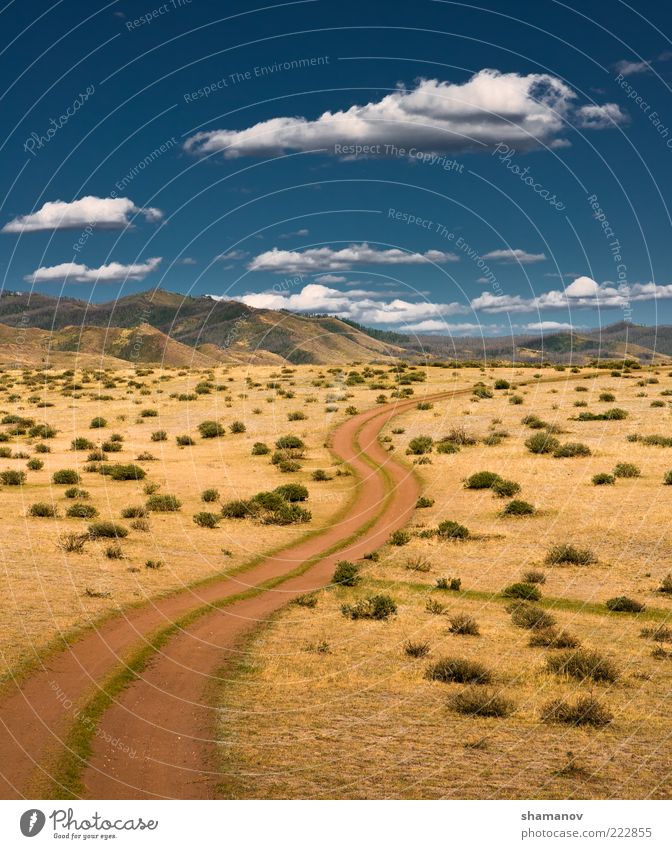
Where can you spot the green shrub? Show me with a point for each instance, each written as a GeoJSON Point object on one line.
{"type": "Point", "coordinates": [237, 509]}
{"type": "Point", "coordinates": [43, 510]}
{"type": "Point", "coordinates": [603, 479]}
{"type": "Point", "coordinates": [346, 574]}
{"type": "Point", "coordinates": [34, 465]}
{"type": "Point", "coordinates": [445, 447]}
{"type": "Point", "coordinates": [464, 625]}
{"type": "Point", "coordinates": [206, 520]}
{"type": "Point", "coordinates": [163, 504]}
{"type": "Point", "coordinates": [420, 445]}
{"type": "Point", "coordinates": [516, 399]}
{"type": "Point", "coordinates": [477, 701]}
{"type": "Point", "coordinates": [211, 429]}
{"type": "Point", "coordinates": [666, 584]}
{"type": "Point", "coordinates": [572, 449]}
{"type": "Point", "coordinates": [149, 414]}
{"type": "Point", "coordinates": [399, 538]}
{"type": "Point", "coordinates": [534, 576]}
{"type": "Point", "coordinates": [260, 448]}
{"type": "Point", "coordinates": [527, 592]}
{"type": "Point", "coordinates": [518, 508]}
{"type": "Point", "coordinates": [159, 436]}
{"type": "Point", "coordinates": [111, 446]}
{"type": "Point", "coordinates": [81, 511]}
{"type": "Point", "coordinates": [607, 397]}
{"type": "Point", "coordinates": [615, 414]}
{"type": "Point", "coordinates": [98, 422]}
{"type": "Point", "coordinates": [320, 475]}
{"type": "Point", "coordinates": [416, 648]}
{"type": "Point", "coordinates": [290, 441]}
{"type": "Point", "coordinates": [65, 476]}
{"type": "Point", "coordinates": [626, 470]}
{"type": "Point", "coordinates": [96, 456]}
{"type": "Point", "coordinates": [550, 638]}
{"type": "Point", "coordinates": [184, 440]}
{"type": "Point", "coordinates": [107, 529]}
{"type": "Point", "coordinates": [542, 443]}
{"type": "Point", "coordinates": [423, 502]}
{"type": "Point", "coordinates": [458, 670]}
{"type": "Point", "coordinates": [292, 492]}
{"type": "Point", "coordinates": [623, 604]}
{"type": "Point", "coordinates": [452, 530]}
{"type": "Point", "coordinates": [566, 553]}
{"type": "Point", "coordinates": [81, 443]}
{"type": "Point", "coordinates": [586, 710]}
{"type": "Point", "coordinates": [667, 478]}
{"type": "Point", "coordinates": [534, 422]}
{"type": "Point", "coordinates": [237, 427]}
{"type": "Point", "coordinates": [296, 416]}
{"type": "Point", "coordinates": [288, 466]}
{"type": "Point", "coordinates": [123, 472]}
{"type": "Point", "coordinates": [75, 492]}
{"type": "Point", "coordinates": [530, 616]}
{"type": "Point", "coordinates": [134, 513]}
{"type": "Point", "coordinates": [210, 495]}
{"type": "Point", "coordinates": [502, 384]}
{"type": "Point", "coordinates": [582, 665]}
{"type": "Point", "coordinates": [377, 607]}
{"type": "Point", "coordinates": [505, 488]}
{"type": "Point", "coordinates": [481, 480]}
{"type": "Point", "coordinates": [114, 552]}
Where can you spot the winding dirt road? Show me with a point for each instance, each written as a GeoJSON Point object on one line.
{"type": "Point", "coordinates": [157, 739]}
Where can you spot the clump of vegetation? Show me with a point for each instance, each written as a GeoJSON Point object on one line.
{"type": "Point", "coordinates": [260, 448]}
{"type": "Point", "coordinates": [72, 543]}
{"type": "Point", "coordinates": [377, 607]}
{"type": "Point", "coordinates": [464, 625]}
{"type": "Point", "coordinates": [626, 470]}
{"type": "Point", "coordinates": [163, 503]}
{"type": "Point", "coordinates": [159, 436]}
{"type": "Point", "coordinates": [477, 701]}
{"type": "Point", "coordinates": [184, 440]}
{"type": "Point", "coordinates": [210, 495]}
{"type": "Point", "coordinates": [534, 576]}
{"type": "Point", "coordinates": [623, 604]}
{"type": "Point", "coordinates": [454, 584]}
{"type": "Point", "coordinates": [572, 449]}
{"type": "Point", "coordinates": [134, 513]}
{"type": "Point", "coordinates": [420, 445]}
{"type": "Point", "coordinates": [582, 664]}
{"type": "Point", "coordinates": [346, 574]}
{"type": "Point", "coordinates": [114, 552]}
{"type": "Point", "coordinates": [416, 648]}
{"type": "Point", "coordinates": [452, 530]}
{"type": "Point", "coordinates": [603, 479]}
{"type": "Point", "coordinates": [586, 710]}
{"type": "Point", "coordinates": [290, 442]}
{"type": "Point", "coordinates": [518, 508]}
{"type": "Point", "coordinates": [481, 480]}
{"type": "Point", "coordinates": [81, 444]}
{"type": "Point", "coordinates": [81, 511]}
{"type": "Point", "coordinates": [12, 477]}
{"type": "Point", "coordinates": [503, 488]}
{"type": "Point", "coordinates": [65, 476]}
{"type": "Point", "coordinates": [567, 553]}
{"type": "Point", "coordinates": [399, 538]}
{"type": "Point", "coordinates": [98, 530]}
{"type": "Point", "coordinates": [419, 564]}
{"type": "Point", "coordinates": [530, 616]}
{"type": "Point", "coordinates": [521, 590]}
{"type": "Point", "coordinates": [237, 427]}
{"type": "Point", "coordinates": [98, 422]}
{"type": "Point", "coordinates": [292, 492]}
{"type": "Point", "coordinates": [206, 520]}
{"type": "Point", "coordinates": [320, 475]}
{"type": "Point", "coordinates": [43, 510]}
{"type": "Point", "coordinates": [615, 414]}
{"type": "Point", "coordinates": [236, 509]}
{"type": "Point", "coordinates": [123, 472]}
{"type": "Point", "coordinates": [666, 585]}
{"type": "Point", "coordinates": [458, 670]}
{"type": "Point", "coordinates": [211, 429]}
{"type": "Point", "coordinates": [542, 443]}
{"type": "Point", "coordinates": [75, 492]}
{"type": "Point", "coordinates": [550, 638]}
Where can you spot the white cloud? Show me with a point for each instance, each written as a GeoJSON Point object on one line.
{"type": "Point", "coordinates": [582, 287]}
{"type": "Point", "coordinates": [331, 278]}
{"type": "Point", "coordinates": [549, 325]}
{"type": "Point", "coordinates": [514, 255]}
{"type": "Point", "coordinates": [74, 272]}
{"type": "Point", "coordinates": [360, 305]}
{"type": "Point", "coordinates": [105, 213]}
{"type": "Point", "coordinates": [232, 256]}
{"type": "Point", "coordinates": [300, 233]}
{"type": "Point", "coordinates": [629, 68]}
{"type": "Point", "coordinates": [432, 325]}
{"type": "Point", "coordinates": [524, 111]}
{"type": "Point", "coordinates": [343, 259]}
{"type": "Point", "coordinates": [600, 117]}
{"type": "Point", "coordinates": [187, 260]}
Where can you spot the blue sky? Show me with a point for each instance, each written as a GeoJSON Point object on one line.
{"type": "Point", "coordinates": [428, 167]}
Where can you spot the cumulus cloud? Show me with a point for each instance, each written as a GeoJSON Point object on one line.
{"type": "Point", "coordinates": [436, 326]}
{"type": "Point", "coordinates": [105, 213]}
{"type": "Point", "coordinates": [74, 272]}
{"type": "Point", "coordinates": [584, 292]}
{"type": "Point", "coordinates": [342, 259]}
{"type": "Point", "coordinates": [627, 68]}
{"type": "Point", "coordinates": [331, 278]}
{"type": "Point", "coordinates": [367, 307]}
{"type": "Point", "coordinates": [600, 117]}
{"type": "Point", "coordinates": [523, 111]}
{"type": "Point", "coordinates": [514, 255]}
{"type": "Point", "coordinates": [549, 325]}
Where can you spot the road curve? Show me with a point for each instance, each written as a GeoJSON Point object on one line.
{"type": "Point", "coordinates": [164, 718]}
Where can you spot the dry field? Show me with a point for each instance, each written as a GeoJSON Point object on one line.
{"type": "Point", "coordinates": [324, 705]}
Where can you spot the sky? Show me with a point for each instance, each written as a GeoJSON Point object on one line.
{"type": "Point", "coordinates": [426, 167]}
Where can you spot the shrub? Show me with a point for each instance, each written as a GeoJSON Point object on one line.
{"type": "Point", "coordinates": [114, 552]}
{"type": "Point", "coordinates": [626, 470]}
{"type": "Point", "coordinates": [306, 600]}
{"type": "Point", "coordinates": [159, 436]}
{"type": "Point", "coordinates": [148, 414]}
{"type": "Point", "coordinates": [210, 495]}
{"type": "Point", "coordinates": [452, 530]}
{"type": "Point", "coordinates": [416, 649]}
{"type": "Point", "coordinates": [206, 520]}
{"type": "Point", "coordinates": [43, 510]}
{"type": "Point", "coordinates": [607, 396]}
{"type": "Point", "coordinates": [296, 416]}
{"type": "Point", "coordinates": [41, 448]}
{"type": "Point", "coordinates": [476, 701]}
{"type": "Point", "coordinates": [96, 456]}
{"type": "Point", "coordinates": [287, 466]}
{"type": "Point", "coordinates": [72, 543]}
{"type": "Point", "coordinates": [533, 422]}
{"type": "Point", "coordinates": [346, 574]}
{"type": "Point", "coordinates": [163, 503]}
{"type": "Point", "coordinates": [582, 665]}
{"type": "Point", "coordinates": [463, 624]}
{"type": "Point", "coordinates": [289, 441]}
{"type": "Point", "coordinates": [237, 427]}
{"type": "Point", "coordinates": [516, 399]}
{"type": "Point", "coordinates": [140, 525]}
{"type": "Point", "coordinates": [134, 513]}
{"type": "Point", "coordinates": [623, 604]}
{"type": "Point", "coordinates": [481, 480]}
{"type": "Point", "coordinates": [566, 553]}
{"type": "Point", "coordinates": [211, 429]}
{"type": "Point", "coordinates": [551, 639]}
{"type": "Point", "coordinates": [525, 615]}
{"type": "Point", "coordinates": [98, 422]}
{"type": "Point", "coordinates": [666, 584]}
{"type": "Point", "coordinates": [111, 446]}
{"type": "Point", "coordinates": [435, 607]}
{"type": "Point", "coordinates": [572, 449]}
{"type": "Point", "coordinates": [378, 607]}
{"type": "Point", "coordinates": [12, 477]}
{"type": "Point", "coordinates": [400, 538]}
{"type": "Point", "coordinates": [423, 502]}
{"type": "Point", "coordinates": [505, 488]}
{"type": "Point", "coordinates": [153, 564]}
{"type": "Point", "coordinates": [81, 511]}
{"type": "Point", "coordinates": [320, 475]}
{"type": "Point", "coordinates": [603, 479]}
{"type": "Point", "coordinates": [237, 509]}
{"type": "Point", "coordinates": [419, 564]}
{"type": "Point", "coordinates": [458, 670]}
{"type": "Point", "coordinates": [65, 476]}
{"type": "Point", "coordinates": [292, 492]}
{"type": "Point", "coordinates": [502, 384]}
{"type": "Point", "coordinates": [75, 492]}
{"type": "Point", "coordinates": [584, 711]}
{"type": "Point", "coordinates": [445, 447]}
{"type": "Point", "coordinates": [518, 508]}
{"type": "Point", "coordinates": [542, 443]}
{"type": "Point", "coordinates": [184, 440]}
{"type": "Point", "coordinates": [533, 576]}
{"type": "Point", "coordinates": [107, 529]}
{"type": "Point", "coordinates": [420, 445]}
{"type": "Point", "coordinates": [81, 444]}
{"type": "Point", "coordinates": [123, 472]}
{"type": "Point", "coordinates": [615, 414]}
{"type": "Point", "coordinates": [260, 448]}
{"type": "Point", "coordinates": [527, 592]}
{"type": "Point", "coordinates": [667, 478]}
{"type": "Point", "coordinates": [454, 584]}
{"type": "Point", "coordinates": [34, 465]}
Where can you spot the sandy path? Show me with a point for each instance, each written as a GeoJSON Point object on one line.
{"type": "Point", "coordinates": [164, 717]}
